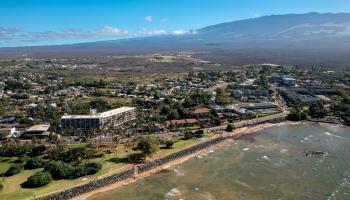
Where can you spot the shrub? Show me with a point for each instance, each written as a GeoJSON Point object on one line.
{"type": "Point", "coordinates": [34, 163]}
{"type": "Point", "coordinates": [92, 168]}
{"type": "Point", "coordinates": [38, 179]}
{"type": "Point", "coordinates": [59, 170]}
{"type": "Point", "coordinates": [14, 169]}
{"type": "Point", "coordinates": [199, 133]}
{"type": "Point", "coordinates": [22, 159]}
{"type": "Point", "coordinates": [296, 115]}
{"type": "Point", "coordinates": [169, 144]}
{"type": "Point", "coordinates": [38, 150]}
{"type": "Point", "coordinates": [14, 149]}
{"type": "Point", "coordinates": [230, 128]}
{"type": "Point", "coordinates": [79, 171]}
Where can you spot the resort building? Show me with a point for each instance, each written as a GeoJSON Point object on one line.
{"type": "Point", "coordinates": [114, 118]}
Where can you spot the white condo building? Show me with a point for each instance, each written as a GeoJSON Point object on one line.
{"type": "Point", "coordinates": [114, 117]}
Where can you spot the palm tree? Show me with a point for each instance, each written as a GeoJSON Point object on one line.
{"type": "Point", "coordinates": [116, 131]}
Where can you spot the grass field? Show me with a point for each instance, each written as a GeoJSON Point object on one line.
{"type": "Point", "coordinates": [13, 191]}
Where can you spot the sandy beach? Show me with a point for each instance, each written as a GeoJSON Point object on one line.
{"type": "Point", "coordinates": [236, 133]}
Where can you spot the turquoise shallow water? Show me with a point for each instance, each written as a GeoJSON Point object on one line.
{"type": "Point", "coordinates": [268, 165]}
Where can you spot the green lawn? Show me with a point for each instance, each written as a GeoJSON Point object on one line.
{"type": "Point", "coordinates": [13, 191]}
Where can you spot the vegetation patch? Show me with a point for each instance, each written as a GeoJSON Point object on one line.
{"type": "Point", "coordinates": [38, 179]}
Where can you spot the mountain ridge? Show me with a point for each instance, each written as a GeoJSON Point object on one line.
{"type": "Point", "coordinates": [294, 34]}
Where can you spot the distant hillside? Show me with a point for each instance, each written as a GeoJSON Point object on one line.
{"type": "Point", "coordinates": [285, 36]}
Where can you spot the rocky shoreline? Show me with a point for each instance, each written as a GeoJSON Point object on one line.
{"type": "Point", "coordinates": [130, 173]}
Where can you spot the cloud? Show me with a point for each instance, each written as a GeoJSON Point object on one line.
{"type": "Point", "coordinates": [111, 31]}
{"type": "Point", "coordinates": [13, 35]}
{"type": "Point", "coordinates": [149, 18]}
{"type": "Point", "coordinates": [180, 32]}
{"type": "Point", "coordinates": [147, 32]}
{"type": "Point", "coordinates": [16, 34]}
{"type": "Point", "coordinates": [257, 15]}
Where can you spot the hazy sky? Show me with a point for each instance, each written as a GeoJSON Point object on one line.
{"type": "Point", "coordinates": [41, 22]}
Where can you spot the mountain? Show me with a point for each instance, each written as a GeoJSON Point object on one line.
{"type": "Point", "coordinates": [295, 27]}
{"type": "Point", "coordinates": [281, 35]}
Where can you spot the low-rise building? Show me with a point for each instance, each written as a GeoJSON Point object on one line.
{"type": "Point", "coordinates": [8, 132]}
{"type": "Point", "coordinates": [181, 122]}
{"type": "Point", "coordinates": [37, 131]}
{"type": "Point", "coordinates": [288, 81]}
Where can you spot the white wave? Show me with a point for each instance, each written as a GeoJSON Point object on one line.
{"type": "Point", "coordinates": [281, 124]}
{"type": "Point", "coordinates": [179, 172]}
{"type": "Point", "coordinates": [245, 149]}
{"type": "Point", "coordinates": [332, 135]}
{"type": "Point", "coordinates": [304, 140]}
{"type": "Point", "coordinates": [266, 158]}
{"type": "Point", "coordinates": [243, 184]}
{"type": "Point", "coordinates": [284, 151]}
{"type": "Point", "coordinates": [173, 192]}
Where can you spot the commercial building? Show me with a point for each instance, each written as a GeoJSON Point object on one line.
{"type": "Point", "coordinates": [114, 118]}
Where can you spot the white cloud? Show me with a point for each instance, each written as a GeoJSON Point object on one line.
{"type": "Point", "coordinates": [11, 35]}
{"type": "Point", "coordinates": [16, 34]}
{"type": "Point", "coordinates": [111, 31]}
{"type": "Point", "coordinates": [149, 18]}
{"type": "Point", "coordinates": [257, 15]}
{"type": "Point", "coordinates": [147, 32]}
{"type": "Point", "coordinates": [180, 32]}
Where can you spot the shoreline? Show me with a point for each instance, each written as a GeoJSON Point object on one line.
{"type": "Point", "coordinates": [235, 134]}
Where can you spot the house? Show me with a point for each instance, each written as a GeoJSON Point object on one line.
{"type": "Point", "coordinates": [237, 94]}
{"type": "Point", "coordinates": [10, 132]}
{"type": "Point", "coordinates": [256, 106]}
{"type": "Point", "coordinates": [181, 122]}
{"type": "Point", "coordinates": [201, 112]}
{"type": "Point", "coordinates": [37, 131]}
{"type": "Point", "coordinates": [287, 81]}
{"type": "Point", "coordinates": [155, 128]}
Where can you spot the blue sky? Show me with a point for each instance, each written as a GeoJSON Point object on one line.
{"type": "Point", "coordinates": [46, 22]}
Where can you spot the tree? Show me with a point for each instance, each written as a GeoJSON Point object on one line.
{"type": "Point", "coordinates": [77, 154]}
{"type": "Point", "coordinates": [317, 111]}
{"type": "Point", "coordinates": [196, 134]}
{"type": "Point", "coordinates": [222, 97]}
{"type": "Point", "coordinates": [148, 145]}
{"type": "Point", "coordinates": [230, 127]}
{"type": "Point", "coordinates": [38, 179]}
{"type": "Point", "coordinates": [296, 115]}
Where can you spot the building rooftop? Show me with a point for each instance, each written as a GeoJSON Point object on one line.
{"type": "Point", "coordinates": [39, 128]}
{"type": "Point", "coordinates": [99, 115]}
{"type": "Point", "coordinates": [80, 117]}
{"type": "Point", "coordinates": [116, 111]}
